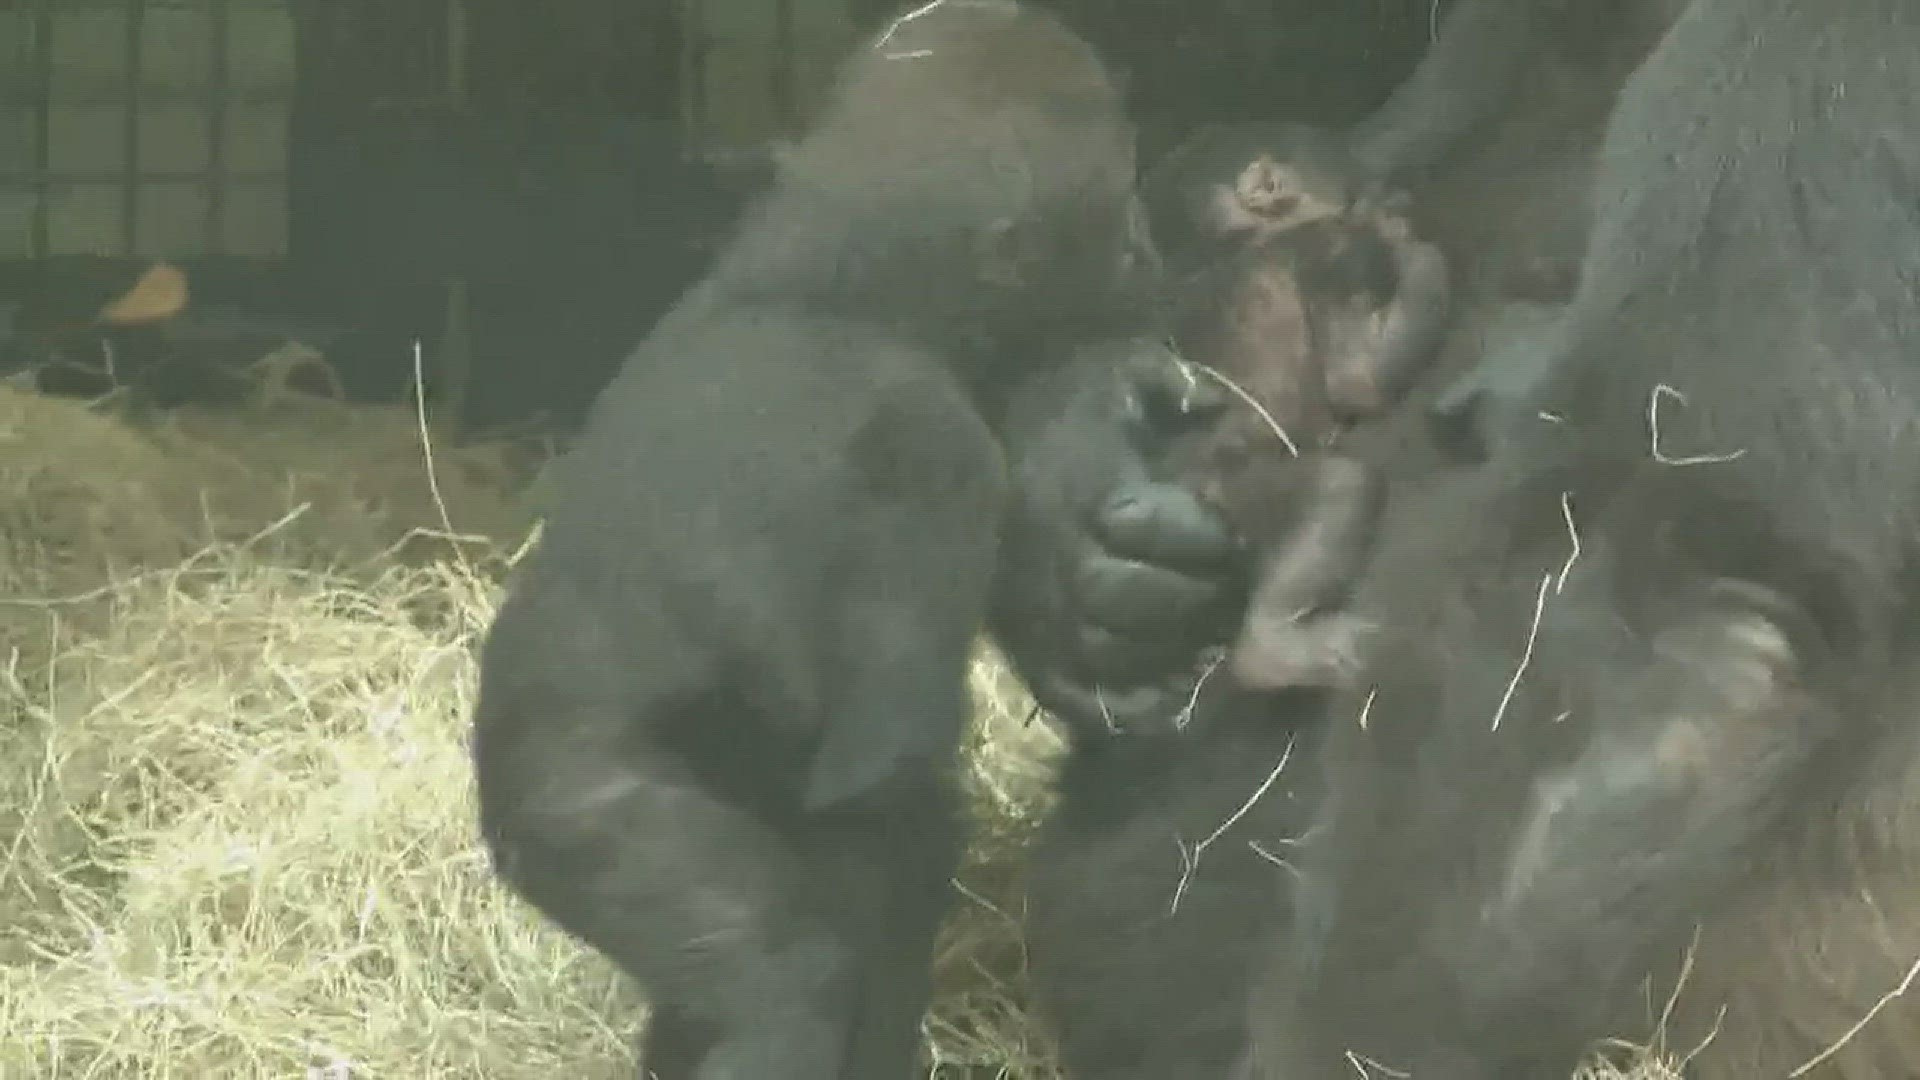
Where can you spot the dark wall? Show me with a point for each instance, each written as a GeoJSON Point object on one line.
{"type": "Point", "coordinates": [560, 192]}
{"type": "Point", "coordinates": [1194, 61]}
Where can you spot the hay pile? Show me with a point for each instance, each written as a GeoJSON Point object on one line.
{"type": "Point", "coordinates": [235, 824]}
{"type": "Point", "coordinates": [236, 836]}
{"type": "Point", "coordinates": [88, 498]}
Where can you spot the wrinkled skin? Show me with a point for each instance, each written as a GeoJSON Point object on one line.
{"type": "Point", "coordinates": [1302, 285]}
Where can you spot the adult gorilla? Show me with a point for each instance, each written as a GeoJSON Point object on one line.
{"type": "Point", "coordinates": [1653, 723]}
{"type": "Point", "coordinates": [1154, 876]}
{"type": "Point", "coordinates": [1645, 711]}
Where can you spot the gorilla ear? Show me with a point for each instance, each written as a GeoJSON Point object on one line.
{"type": "Point", "coordinates": [1266, 189]}
{"type": "Point", "coordinates": [1000, 254]}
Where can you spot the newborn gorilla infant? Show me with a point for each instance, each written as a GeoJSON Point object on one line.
{"type": "Point", "coordinates": [1311, 298]}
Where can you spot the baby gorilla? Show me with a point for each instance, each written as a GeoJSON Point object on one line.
{"type": "Point", "coordinates": [1309, 296]}
{"type": "Point", "coordinates": [718, 712]}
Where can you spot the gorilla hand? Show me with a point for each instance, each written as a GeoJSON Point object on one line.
{"type": "Point", "coordinates": [1112, 581]}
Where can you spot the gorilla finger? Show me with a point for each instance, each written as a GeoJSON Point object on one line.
{"type": "Point", "coordinates": [1163, 522]}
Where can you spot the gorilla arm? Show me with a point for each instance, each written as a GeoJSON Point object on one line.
{"type": "Point", "coordinates": [1403, 337]}
{"type": "Point", "coordinates": [1465, 81]}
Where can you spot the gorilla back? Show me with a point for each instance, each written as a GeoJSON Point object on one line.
{"type": "Point", "coordinates": [717, 712]}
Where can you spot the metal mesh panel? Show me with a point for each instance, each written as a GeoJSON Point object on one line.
{"type": "Point", "coordinates": [126, 119]}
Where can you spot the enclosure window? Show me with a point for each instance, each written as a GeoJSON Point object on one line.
{"type": "Point", "coordinates": [144, 127]}
{"type": "Point", "coordinates": [754, 69]}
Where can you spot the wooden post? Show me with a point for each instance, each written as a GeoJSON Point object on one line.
{"type": "Point", "coordinates": [455, 362]}
{"type": "Point", "coordinates": [130, 132]}
{"type": "Point", "coordinates": [40, 243]}
{"type": "Point", "coordinates": [220, 90]}
{"type": "Point", "coordinates": [693, 73]}
{"type": "Point", "coordinates": [786, 113]}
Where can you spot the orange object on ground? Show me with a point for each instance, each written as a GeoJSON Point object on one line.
{"type": "Point", "coordinates": [160, 293]}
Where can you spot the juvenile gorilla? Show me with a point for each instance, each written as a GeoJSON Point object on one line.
{"type": "Point", "coordinates": [718, 711]}
{"type": "Point", "coordinates": [1307, 292]}
{"type": "Point", "coordinates": [1641, 759]}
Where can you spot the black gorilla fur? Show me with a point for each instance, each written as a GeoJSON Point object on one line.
{"type": "Point", "coordinates": [718, 711]}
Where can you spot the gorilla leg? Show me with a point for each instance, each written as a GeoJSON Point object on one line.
{"type": "Point", "coordinates": [718, 916]}
{"type": "Point", "coordinates": [727, 934]}
{"type": "Point", "coordinates": [899, 850]}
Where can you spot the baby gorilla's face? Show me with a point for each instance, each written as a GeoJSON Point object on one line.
{"type": "Point", "coordinates": [1270, 197]}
